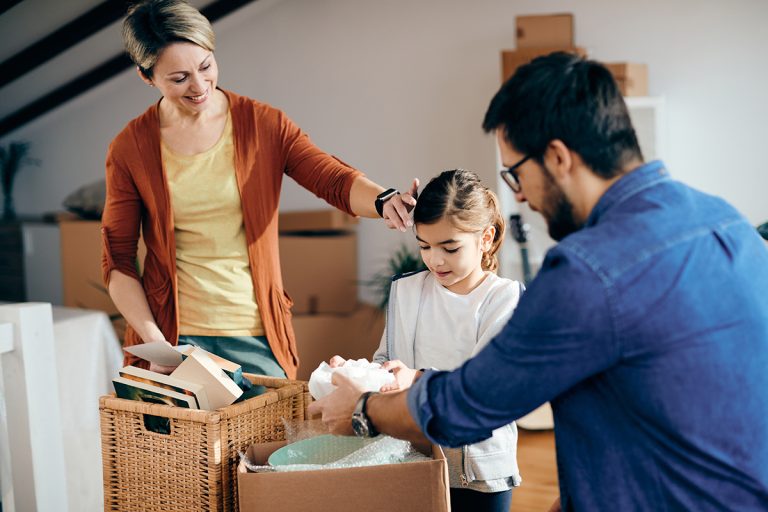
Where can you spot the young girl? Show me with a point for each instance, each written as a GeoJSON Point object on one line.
{"type": "Point", "coordinates": [440, 317]}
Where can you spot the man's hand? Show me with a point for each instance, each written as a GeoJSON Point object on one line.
{"type": "Point", "coordinates": [397, 210]}
{"type": "Point", "coordinates": [404, 376]}
{"type": "Point", "coordinates": [336, 409]}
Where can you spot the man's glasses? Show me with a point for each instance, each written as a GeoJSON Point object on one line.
{"type": "Point", "coordinates": [510, 175]}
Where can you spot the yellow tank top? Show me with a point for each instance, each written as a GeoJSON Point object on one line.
{"type": "Point", "coordinates": [216, 296]}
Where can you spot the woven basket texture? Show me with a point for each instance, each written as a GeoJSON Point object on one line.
{"type": "Point", "coordinates": [193, 467]}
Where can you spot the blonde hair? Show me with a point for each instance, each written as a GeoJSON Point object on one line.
{"type": "Point", "coordinates": [152, 25]}
{"type": "Point", "coordinates": [460, 196]}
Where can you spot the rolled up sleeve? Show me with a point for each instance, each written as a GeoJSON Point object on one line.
{"type": "Point", "coordinates": [120, 222]}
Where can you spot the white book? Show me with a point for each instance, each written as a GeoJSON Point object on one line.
{"type": "Point", "coordinates": [166, 381]}
{"type": "Point", "coordinates": [198, 367]}
{"type": "Point", "coordinates": [143, 392]}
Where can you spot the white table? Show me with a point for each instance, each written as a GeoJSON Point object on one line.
{"type": "Point", "coordinates": [87, 357]}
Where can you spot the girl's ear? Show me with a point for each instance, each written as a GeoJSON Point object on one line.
{"type": "Point", "coordinates": [486, 242]}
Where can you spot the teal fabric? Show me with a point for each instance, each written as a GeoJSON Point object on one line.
{"type": "Point", "coordinates": [252, 353]}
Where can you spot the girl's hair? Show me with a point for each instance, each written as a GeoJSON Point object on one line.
{"type": "Point", "coordinates": [152, 25]}
{"type": "Point", "coordinates": [459, 196]}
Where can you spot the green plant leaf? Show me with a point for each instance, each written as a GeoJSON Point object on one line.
{"type": "Point", "coordinates": [402, 261]}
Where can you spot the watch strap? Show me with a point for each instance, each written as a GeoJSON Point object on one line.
{"type": "Point", "coordinates": [383, 198]}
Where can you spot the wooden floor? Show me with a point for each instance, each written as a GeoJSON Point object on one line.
{"type": "Point", "coordinates": [536, 458]}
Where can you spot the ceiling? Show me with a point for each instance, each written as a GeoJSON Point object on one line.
{"type": "Point", "coordinates": [29, 73]}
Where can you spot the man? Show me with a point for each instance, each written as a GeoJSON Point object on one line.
{"type": "Point", "coordinates": [646, 327]}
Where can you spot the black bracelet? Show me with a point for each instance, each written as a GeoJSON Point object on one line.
{"type": "Point", "coordinates": [383, 198]}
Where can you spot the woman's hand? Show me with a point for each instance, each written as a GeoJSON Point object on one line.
{"type": "Point", "coordinates": [397, 211]}
{"type": "Point", "coordinates": [165, 370]}
{"type": "Point", "coordinates": [404, 376]}
{"type": "Point", "coordinates": [336, 362]}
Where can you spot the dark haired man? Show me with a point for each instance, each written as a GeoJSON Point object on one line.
{"type": "Point", "coordinates": [646, 327]}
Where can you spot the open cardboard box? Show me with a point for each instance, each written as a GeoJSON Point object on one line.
{"type": "Point", "coordinates": [411, 486]}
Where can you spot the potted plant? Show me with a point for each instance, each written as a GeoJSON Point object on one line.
{"type": "Point", "coordinates": [402, 261]}
{"type": "Point", "coordinates": [12, 157]}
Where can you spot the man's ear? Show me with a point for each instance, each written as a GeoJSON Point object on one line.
{"type": "Point", "coordinates": [144, 78]}
{"type": "Point", "coordinates": [558, 159]}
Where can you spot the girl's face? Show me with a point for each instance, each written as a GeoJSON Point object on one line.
{"type": "Point", "coordinates": [454, 256]}
{"type": "Point", "coordinates": [186, 76]}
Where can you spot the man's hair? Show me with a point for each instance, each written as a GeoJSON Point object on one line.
{"type": "Point", "coordinates": [563, 96]}
{"type": "Point", "coordinates": [459, 196]}
{"type": "Point", "coordinates": [152, 25]}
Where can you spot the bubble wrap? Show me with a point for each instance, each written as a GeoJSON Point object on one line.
{"type": "Point", "coordinates": [370, 376]}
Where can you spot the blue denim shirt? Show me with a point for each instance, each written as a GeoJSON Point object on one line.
{"type": "Point", "coordinates": [648, 332]}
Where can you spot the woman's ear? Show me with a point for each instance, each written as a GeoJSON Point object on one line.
{"type": "Point", "coordinates": [144, 78]}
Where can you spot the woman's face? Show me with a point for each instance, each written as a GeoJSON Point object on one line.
{"type": "Point", "coordinates": [186, 75]}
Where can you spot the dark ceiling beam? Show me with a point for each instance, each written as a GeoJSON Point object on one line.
{"type": "Point", "coordinates": [7, 4]}
{"type": "Point", "coordinates": [62, 39]}
{"type": "Point", "coordinates": [97, 75]}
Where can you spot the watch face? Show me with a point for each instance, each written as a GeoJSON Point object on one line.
{"type": "Point", "coordinates": [360, 425]}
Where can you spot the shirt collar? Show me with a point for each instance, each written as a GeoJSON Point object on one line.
{"type": "Point", "coordinates": [628, 185]}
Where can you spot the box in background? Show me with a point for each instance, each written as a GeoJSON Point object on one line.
{"type": "Point", "coordinates": [320, 271]}
{"type": "Point", "coordinates": [318, 259]}
{"type": "Point", "coordinates": [407, 487]}
{"type": "Point", "coordinates": [632, 78]}
{"type": "Point", "coordinates": [353, 336]}
{"type": "Point", "coordinates": [315, 220]}
{"type": "Point", "coordinates": [513, 59]}
{"type": "Point", "coordinates": [544, 30]}
{"type": "Point", "coordinates": [82, 284]}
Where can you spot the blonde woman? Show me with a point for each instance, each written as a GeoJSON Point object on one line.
{"type": "Point", "coordinates": [199, 175]}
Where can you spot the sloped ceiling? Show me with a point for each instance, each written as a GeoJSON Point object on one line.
{"type": "Point", "coordinates": [29, 22]}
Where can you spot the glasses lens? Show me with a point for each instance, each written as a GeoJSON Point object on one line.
{"type": "Point", "coordinates": [511, 180]}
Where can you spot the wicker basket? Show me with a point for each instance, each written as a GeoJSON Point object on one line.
{"type": "Point", "coordinates": [193, 466]}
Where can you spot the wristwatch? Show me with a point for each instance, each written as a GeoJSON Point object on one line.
{"type": "Point", "coordinates": [361, 423]}
{"type": "Point", "coordinates": [383, 198]}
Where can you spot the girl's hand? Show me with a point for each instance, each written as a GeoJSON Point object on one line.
{"type": "Point", "coordinates": [336, 362]}
{"type": "Point", "coordinates": [404, 376]}
{"type": "Point", "coordinates": [397, 210]}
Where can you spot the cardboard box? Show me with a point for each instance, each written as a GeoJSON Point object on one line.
{"type": "Point", "coordinates": [353, 336]}
{"type": "Point", "coordinates": [408, 487]}
{"type": "Point", "coordinates": [316, 220]}
{"type": "Point", "coordinates": [82, 284]}
{"type": "Point", "coordinates": [544, 30]}
{"type": "Point", "coordinates": [320, 271]}
{"type": "Point", "coordinates": [513, 59]}
{"type": "Point", "coordinates": [631, 78]}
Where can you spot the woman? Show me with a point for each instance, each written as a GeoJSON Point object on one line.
{"type": "Point", "coordinates": [199, 173]}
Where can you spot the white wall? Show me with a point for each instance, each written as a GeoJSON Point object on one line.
{"type": "Point", "coordinates": [399, 89]}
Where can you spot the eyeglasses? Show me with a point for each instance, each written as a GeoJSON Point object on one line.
{"type": "Point", "coordinates": [510, 175]}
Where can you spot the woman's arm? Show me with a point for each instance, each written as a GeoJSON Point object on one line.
{"type": "Point", "coordinates": [128, 295]}
{"type": "Point", "coordinates": [362, 198]}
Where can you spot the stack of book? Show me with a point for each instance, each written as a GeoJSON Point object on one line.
{"type": "Point", "coordinates": [201, 380]}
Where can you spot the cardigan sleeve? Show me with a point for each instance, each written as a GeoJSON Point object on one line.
{"type": "Point", "coordinates": [322, 174]}
{"type": "Point", "coordinates": [120, 221]}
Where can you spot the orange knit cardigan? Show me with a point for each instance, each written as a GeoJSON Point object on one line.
{"type": "Point", "coordinates": [267, 145]}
